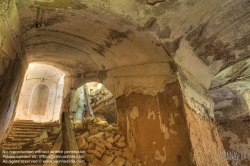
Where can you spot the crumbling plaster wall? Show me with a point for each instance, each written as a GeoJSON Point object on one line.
{"type": "Point", "coordinates": [164, 129]}
{"type": "Point", "coordinates": [12, 66]}
{"type": "Point", "coordinates": [205, 139]}
{"type": "Point", "coordinates": [10, 83]}
{"type": "Point", "coordinates": [165, 118]}
{"type": "Point", "coordinates": [198, 108]}
{"type": "Point", "coordinates": [155, 126]}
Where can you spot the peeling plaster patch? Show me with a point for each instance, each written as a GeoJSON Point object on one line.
{"type": "Point", "coordinates": [134, 113]}
{"type": "Point", "coordinates": [54, 19]}
{"type": "Point", "coordinates": [118, 37]}
{"type": "Point", "coordinates": [164, 129]}
{"type": "Point", "coordinates": [159, 157]}
{"type": "Point", "coordinates": [130, 137]}
{"type": "Point", "coordinates": [172, 131]}
{"type": "Point", "coordinates": [176, 101]}
{"type": "Point", "coordinates": [151, 114]}
{"type": "Point", "coordinates": [144, 90]}
{"type": "Point", "coordinates": [171, 47]}
{"type": "Point", "coordinates": [171, 120]}
{"type": "Point", "coordinates": [150, 24]}
{"type": "Point", "coordinates": [196, 95]}
{"type": "Point", "coordinates": [100, 49]}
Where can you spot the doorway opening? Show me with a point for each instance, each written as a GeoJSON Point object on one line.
{"type": "Point", "coordinates": [41, 94]}
{"type": "Point", "coordinates": [93, 99]}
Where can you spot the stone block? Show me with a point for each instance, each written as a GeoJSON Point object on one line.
{"type": "Point", "coordinates": [122, 138]}
{"type": "Point", "coordinates": [128, 163]}
{"type": "Point", "coordinates": [97, 162]}
{"type": "Point", "coordinates": [91, 145]}
{"type": "Point", "coordinates": [95, 152]}
{"type": "Point", "coordinates": [89, 157]}
{"type": "Point", "coordinates": [101, 145]}
{"type": "Point", "coordinates": [101, 150]}
{"type": "Point", "coordinates": [109, 134]}
{"type": "Point", "coordinates": [118, 152]}
{"type": "Point", "coordinates": [116, 138]}
{"type": "Point", "coordinates": [121, 144]}
{"type": "Point", "coordinates": [110, 140]}
{"type": "Point", "coordinates": [107, 159]}
{"type": "Point", "coordinates": [81, 143]}
{"type": "Point", "coordinates": [106, 143]}
{"type": "Point", "coordinates": [98, 135]}
{"type": "Point", "coordinates": [85, 135]}
{"type": "Point", "coordinates": [109, 152]}
{"type": "Point", "coordinates": [119, 161]}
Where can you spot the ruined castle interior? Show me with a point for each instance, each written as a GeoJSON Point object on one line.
{"type": "Point", "coordinates": [173, 76]}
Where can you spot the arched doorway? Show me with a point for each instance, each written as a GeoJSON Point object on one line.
{"type": "Point", "coordinates": [93, 99]}
{"type": "Point", "coordinates": [41, 94]}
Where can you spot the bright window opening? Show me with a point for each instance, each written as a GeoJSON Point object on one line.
{"type": "Point", "coordinates": [41, 94]}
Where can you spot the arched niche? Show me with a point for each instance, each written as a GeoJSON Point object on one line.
{"type": "Point", "coordinates": [39, 100]}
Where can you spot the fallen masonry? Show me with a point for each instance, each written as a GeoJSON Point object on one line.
{"type": "Point", "coordinates": [104, 143]}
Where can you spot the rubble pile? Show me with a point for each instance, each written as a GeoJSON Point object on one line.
{"type": "Point", "coordinates": [103, 104]}
{"type": "Point", "coordinates": [104, 143]}
{"type": "Point", "coordinates": [96, 95]}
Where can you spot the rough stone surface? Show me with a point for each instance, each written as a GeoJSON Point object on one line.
{"type": "Point", "coordinates": [204, 132]}
{"type": "Point", "coordinates": [235, 136]}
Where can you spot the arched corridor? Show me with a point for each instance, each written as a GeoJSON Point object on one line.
{"type": "Point", "coordinates": [178, 72]}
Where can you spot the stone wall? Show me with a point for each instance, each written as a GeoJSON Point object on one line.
{"type": "Point", "coordinates": [12, 66]}
{"type": "Point", "coordinates": [10, 85]}
{"type": "Point", "coordinates": [164, 129]}
{"type": "Point", "coordinates": [205, 139]}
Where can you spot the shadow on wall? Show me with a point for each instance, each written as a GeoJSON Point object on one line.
{"type": "Point", "coordinates": [41, 95]}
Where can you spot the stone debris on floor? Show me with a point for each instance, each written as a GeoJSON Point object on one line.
{"type": "Point", "coordinates": [104, 143]}
{"type": "Point", "coordinates": [28, 138]}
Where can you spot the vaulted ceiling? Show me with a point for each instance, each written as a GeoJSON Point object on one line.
{"type": "Point", "coordinates": [202, 37]}
{"type": "Point", "coordinates": [81, 35]}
